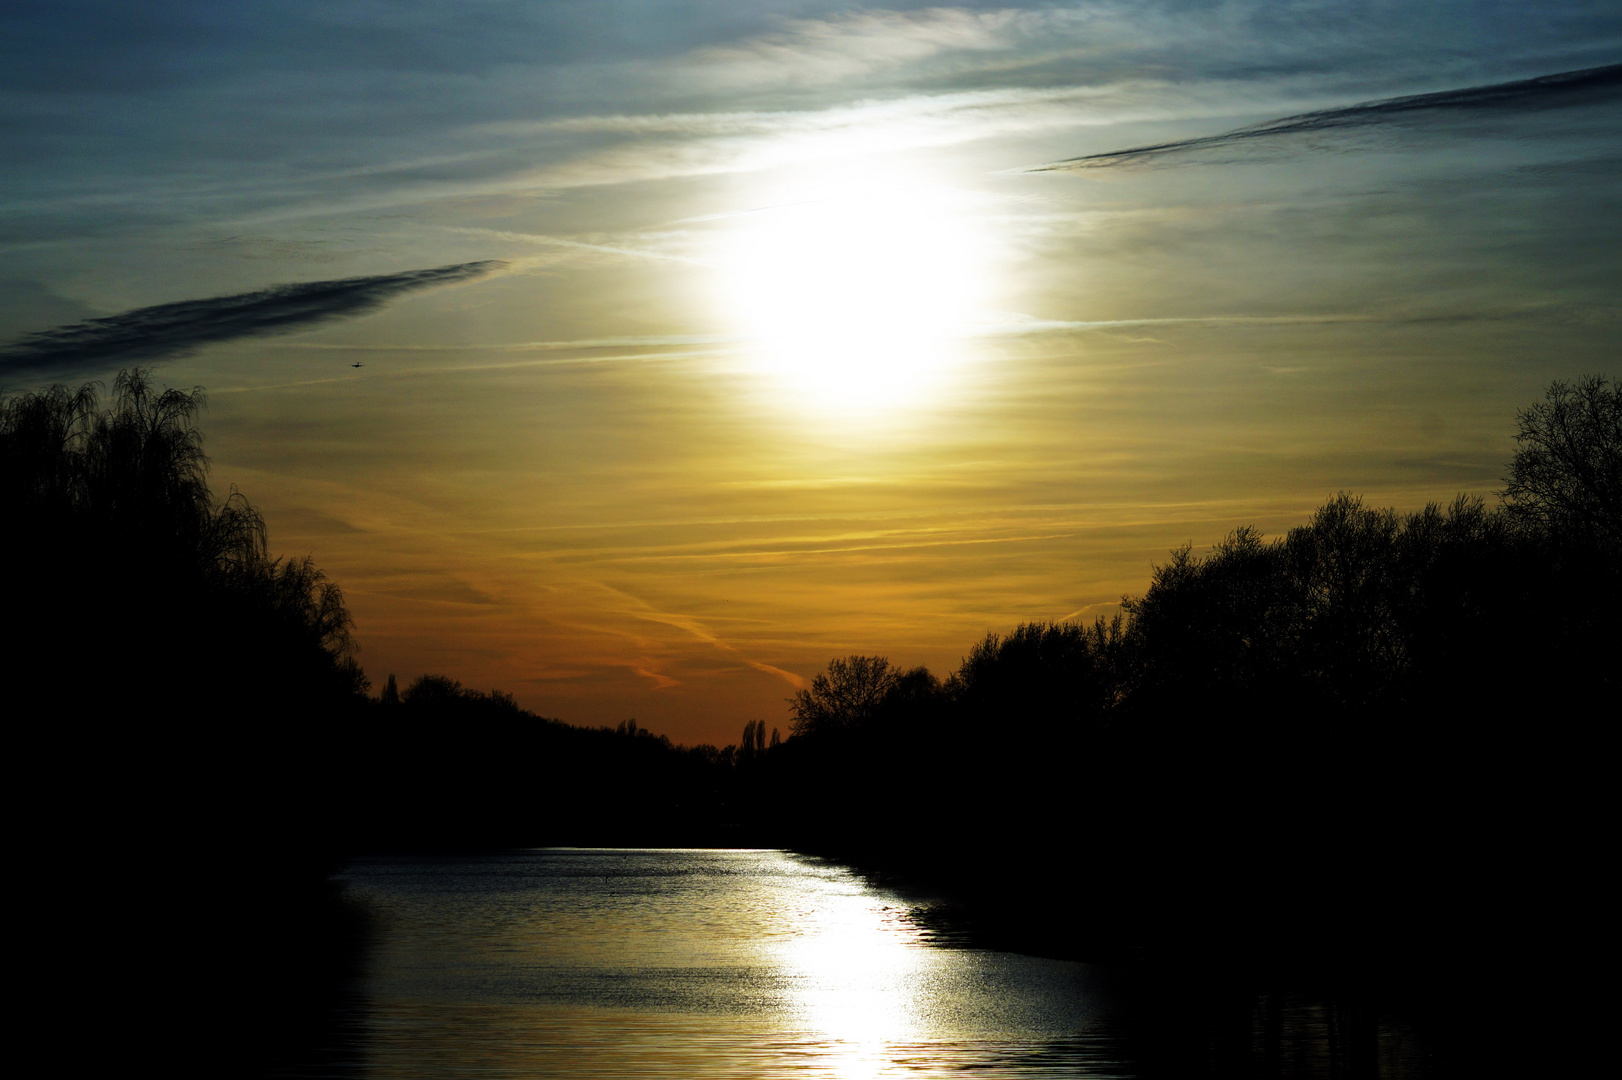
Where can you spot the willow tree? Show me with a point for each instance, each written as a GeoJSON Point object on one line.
{"type": "Point", "coordinates": [123, 564]}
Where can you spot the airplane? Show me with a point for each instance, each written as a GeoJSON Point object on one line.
{"type": "Point", "coordinates": [357, 363]}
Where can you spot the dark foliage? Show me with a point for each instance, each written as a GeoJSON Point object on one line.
{"type": "Point", "coordinates": [845, 696]}
{"type": "Point", "coordinates": [1332, 744]}
{"type": "Point", "coordinates": [440, 766]}
{"type": "Point", "coordinates": [1566, 477]}
{"type": "Point", "coordinates": [177, 695]}
{"type": "Point", "coordinates": [130, 566]}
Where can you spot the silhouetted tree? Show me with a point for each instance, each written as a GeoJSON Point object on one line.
{"type": "Point", "coordinates": [1043, 677]}
{"type": "Point", "coordinates": [1566, 475]}
{"type": "Point", "coordinates": [178, 692]}
{"type": "Point", "coordinates": [1211, 633]}
{"type": "Point", "coordinates": [846, 695]}
{"type": "Point", "coordinates": [111, 511]}
{"type": "Point", "coordinates": [752, 743]}
{"type": "Point", "coordinates": [134, 474]}
{"type": "Point", "coordinates": [427, 691]}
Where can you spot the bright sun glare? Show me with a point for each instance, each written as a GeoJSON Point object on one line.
{"type": "Point", "coordinates": [857, 297]}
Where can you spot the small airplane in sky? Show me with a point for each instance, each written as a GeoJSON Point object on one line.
{"type": "Point", "coordinates": [357, 363]}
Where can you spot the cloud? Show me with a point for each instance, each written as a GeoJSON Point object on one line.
{"type": "Point", "coordinates": [841, 47]}
{"type": "Point", "coordinates": [576, 245]}
{"type": "Point", "coordinates": [150, 333]}
{"type": "Point", "coordinates": [1563, 90]}
{"type": "Point", "coordinates": [642, 610]}
{"type": "Point", "coordinates": [665, 146]}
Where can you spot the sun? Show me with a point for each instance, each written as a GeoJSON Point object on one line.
{"type": "Point", "coordinates": [856, 296]}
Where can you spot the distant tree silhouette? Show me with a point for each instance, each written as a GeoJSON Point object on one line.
{"type": "Point", "coordinates": [753, 741]}
{"type": "Point", "coordinates": [1357, 613]}
{"type": "Point", "coordinates": [1051, 676]}
{"type": "Point", "coordinates": [1566, 476]}
{"type": "Point", "coordinates": [846, 695]}
{"type": "Point", "coordinates": [435, 690]}
{"type": "Point", "coordinates": [1216, 629]}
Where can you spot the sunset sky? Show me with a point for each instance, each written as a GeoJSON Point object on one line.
{"type": "Point", "coordinates": [780, 342]}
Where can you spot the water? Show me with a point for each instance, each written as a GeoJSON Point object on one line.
{"type": "Point", "coordinates": [705, 963]}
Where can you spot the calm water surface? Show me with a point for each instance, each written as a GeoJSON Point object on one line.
{"type": "Point", "coordinates": [696, 963]}
{"type": "Point", "coordinates": [707, 963]}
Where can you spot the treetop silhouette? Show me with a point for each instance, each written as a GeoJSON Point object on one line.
{"type": "Point", "coordinates": [848, 693]}
{"type": "Point", "coordinates": [1567, 470]}
{"type": "Point", "coordinates": [111, 510]}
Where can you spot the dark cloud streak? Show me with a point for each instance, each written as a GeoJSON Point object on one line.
{"type": "Point", "coordinates": [168, 329]}
{"type": "Point", "coordinates": [1566, 89]}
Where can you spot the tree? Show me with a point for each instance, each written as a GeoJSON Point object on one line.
{"type": "Point", "coordinates": [846, 695]}
{"type": "Point", "coordinates": [1045, 676]}
{"type": "Point", "coordinates": [753, 741]}
{"type": "Point", "coordinates": [127, 563]}
{"type": "Point", "coordinates": [1566, 476]}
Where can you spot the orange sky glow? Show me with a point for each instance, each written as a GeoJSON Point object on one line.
{"type": "Point", "coordinates": [792, 356]}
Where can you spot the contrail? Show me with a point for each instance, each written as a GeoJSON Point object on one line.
{"type": "Point", "coordinates": [1569, 88]}
{"type": "Point", "coordinates": [168, 329]}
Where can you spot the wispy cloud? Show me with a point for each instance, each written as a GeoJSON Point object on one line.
{"type": "Point", "coordinates": [666, 146]}
{"type": "Point", "coordinates": [150, 333]}
{"type": "Point", "coordinates": [1563, 90]}
{"type": "Point", "coordinates": [642, 610]}
{"type": "Point", "coordinates": [843, 47]}
{"type": "Point", "coordinates": [576, 245]}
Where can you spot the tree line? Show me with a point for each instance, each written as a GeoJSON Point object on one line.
{"type": "Point", "coordinates": [1358, 725]}
{"type": "Point", "coordinates": [1379, 734]}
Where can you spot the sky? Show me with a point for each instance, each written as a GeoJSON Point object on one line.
{"type": "Point", "coordinates": [637, 358]}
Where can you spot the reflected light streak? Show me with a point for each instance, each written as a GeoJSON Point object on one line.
{"type": "Point", "coordinates": [856, 294]}
{"type": "Point", "coordinates": [857, 968]}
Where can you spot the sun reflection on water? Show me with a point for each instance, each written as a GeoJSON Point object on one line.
{"type": "Point", "coordinates": [722, 964]}
{"type": "Point", "coordinates": [855, 970]}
